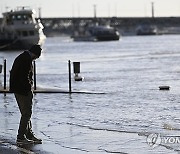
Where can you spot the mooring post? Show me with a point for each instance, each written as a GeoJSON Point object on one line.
{"type": "Point", "coordinates": [34, 75]}
{"type": "Point", "coordinates": [69, 66]}
{"type": "Point", "coordinates": [4, 74]}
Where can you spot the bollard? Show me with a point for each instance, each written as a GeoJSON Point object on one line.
{"type": "Point", "coordinates": [0, 68]}
{"type": "Point", "coordinates": [4, 73]}
{"type": "Point", "coordinates": [76, 66]}
{"type": "Point", "coordinates": [69, 66]}
{"type": "Point", "coordinates": [34, 75]}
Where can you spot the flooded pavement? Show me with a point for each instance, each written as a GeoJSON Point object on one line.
{"type": "Point", "coordinates": [130, 116]}
{"type": "Point", "coordinates": [66, 137]}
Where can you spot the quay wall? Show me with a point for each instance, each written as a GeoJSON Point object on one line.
{"type": "Point", "coordinates": [125, 25]}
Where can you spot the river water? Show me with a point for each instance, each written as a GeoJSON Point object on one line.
{"type": "Point", "coordinates": [128, 71]}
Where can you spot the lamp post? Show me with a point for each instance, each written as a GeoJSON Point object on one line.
{"type": "Point", "coordinates": [152, 9]}
{"type": "Point", "coordinates": [94, 10]}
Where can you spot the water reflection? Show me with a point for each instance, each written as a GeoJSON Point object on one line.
{"type": "Point", "coordinates": [70, 117]}
{"type": "Point", "coordinates": [34, 114]}
{"type": "Point", "coordinates": [6, 114]}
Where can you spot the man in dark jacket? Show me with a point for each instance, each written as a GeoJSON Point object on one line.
{"type": "Point", "coordinates": [21, 85]}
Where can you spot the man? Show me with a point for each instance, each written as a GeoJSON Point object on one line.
{"type": "Point", "coordinates": [21, 85]}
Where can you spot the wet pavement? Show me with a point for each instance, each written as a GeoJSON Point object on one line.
{"type": "Point", "coordinates": [67, 137]}
{"type": "Point", "coordinates": [70, 138]}
{"type": "Point", "coordinates": [88, 141]}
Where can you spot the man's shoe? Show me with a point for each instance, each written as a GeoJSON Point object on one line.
{"type": "Point", "coordinates": [35, 139]}
{"type": "Point", "coordinates": [24, 140]}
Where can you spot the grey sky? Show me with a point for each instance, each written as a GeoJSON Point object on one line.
{"type": "Point", "coordinates": [105, 8]}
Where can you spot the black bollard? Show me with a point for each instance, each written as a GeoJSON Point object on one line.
{"type": "Point", "coordinates": [4, 74]}
{"type": "Point", "coordinates": [69, 66]}
{"type": "Point", "coordinates": [0, 68]}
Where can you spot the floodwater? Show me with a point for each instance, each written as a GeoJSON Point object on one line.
{"type": "Point", "coordinates": [128, 71]}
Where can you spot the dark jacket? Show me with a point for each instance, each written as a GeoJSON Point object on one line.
{"type": "Point", "coordinates": [21, 74]}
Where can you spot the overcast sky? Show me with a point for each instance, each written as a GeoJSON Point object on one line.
{"type": "Point", "coordinates": [104, 8]}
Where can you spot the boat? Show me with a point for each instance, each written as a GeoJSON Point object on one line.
{"type": "Point", "coordinates": [146, 30]}
{"type": "Point", "coordinates": [20, 30]}
{"type": "Point", "coordinates": [96, 33]}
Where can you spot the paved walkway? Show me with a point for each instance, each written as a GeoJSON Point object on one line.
{"type": "Point", "coordinates": [62, 136]}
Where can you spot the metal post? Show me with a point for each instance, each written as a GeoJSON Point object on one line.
{"type": "Point", "coordinates": [4, 73]}
{"type": "Point", "coordinates": [69, 66]}
{"type": "Point", "coordinates": [34, 75]}
{"type": "Point", "coordinates": [94, 10]}
{"type": "Point", "coordinates": [152, 8]}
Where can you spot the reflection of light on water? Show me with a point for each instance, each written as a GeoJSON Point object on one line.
{"type": "Point", "coordinates": [129, 71]}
